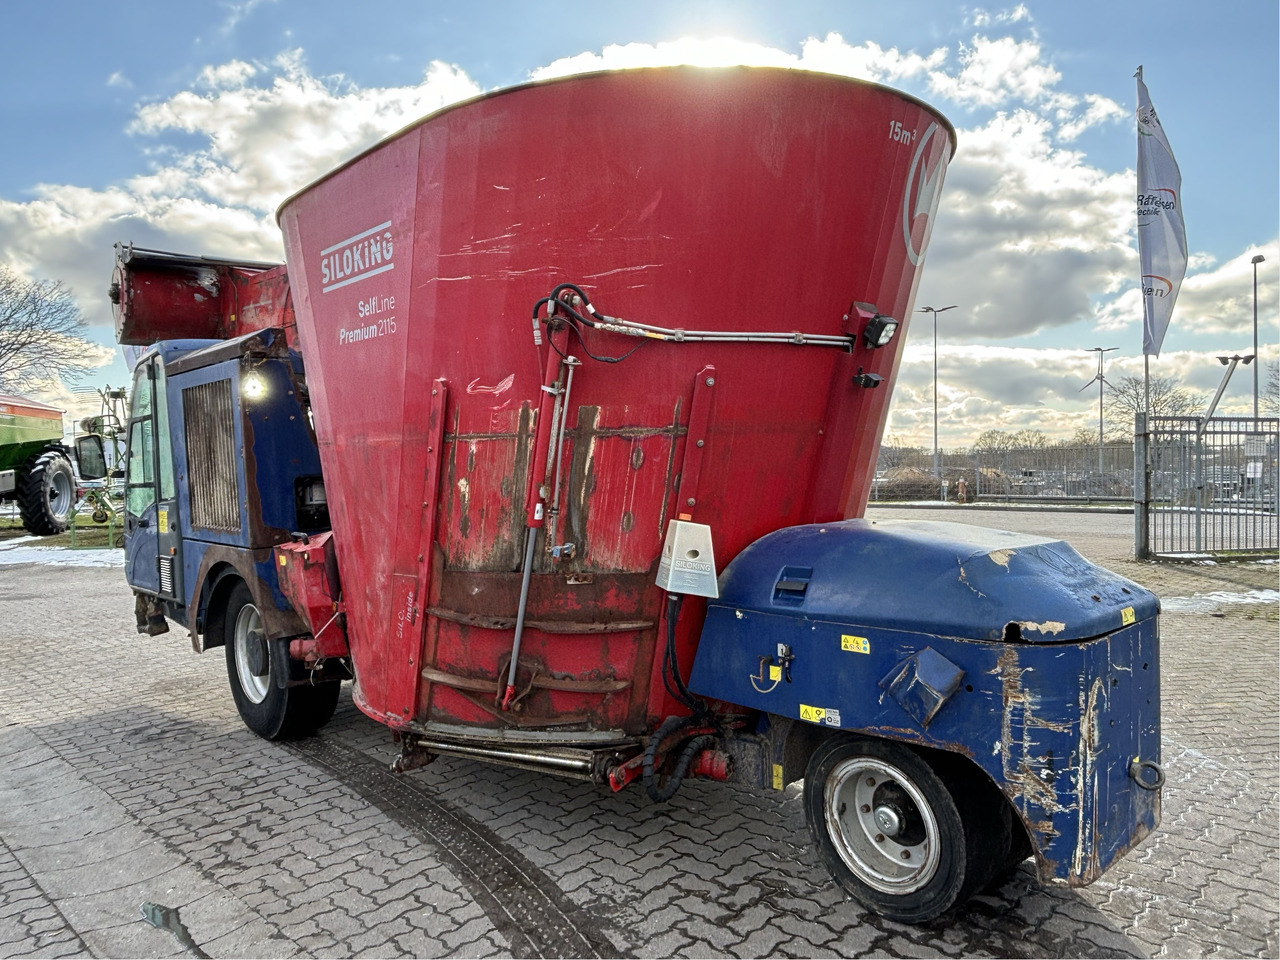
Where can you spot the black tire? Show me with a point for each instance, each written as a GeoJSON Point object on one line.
{"type": "Point", "coordinates": [46, 493]}
{"type": "Point", "coordinates": [1017, 851]}
{"type": "Point", "coordinates": [899, 834]}
{"type": "Point", "coordinates": [253, 665]}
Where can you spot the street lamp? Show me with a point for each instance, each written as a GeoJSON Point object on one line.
{"type": "Point", "coordinates": [1256, 260]}
{"type": "Point", "coordinates": [935, 311]}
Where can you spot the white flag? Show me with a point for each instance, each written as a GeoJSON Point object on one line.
{"type": "Point", "coordinates": [1162, 239]}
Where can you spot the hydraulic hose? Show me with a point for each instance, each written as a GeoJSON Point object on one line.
{"type": "Point", "coordinates": [671, 726]}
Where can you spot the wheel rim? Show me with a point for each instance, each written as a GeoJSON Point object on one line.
{"type": "Point", "coordinates": [881, 825]}
{"type": "Point", "coordinates": [60, 495]}
{"type": "Point", "coordinates": [252, 654]}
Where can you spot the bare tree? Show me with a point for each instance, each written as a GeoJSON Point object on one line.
{"type": "Point", "coordinates": [1269, 399]}
{"type": "Point", "coordinates": [1083, 437]}
{"type": "Point", "coordinates": [1169, 398]}
{"type": "Point", "coordinates": [1030, 439]}
{"type": "Point", "coordinates": [993, 441]}
{"type": "Point", "coordinates": [40, 333]}
{"type": "Point", "coordinates": [896, 452]}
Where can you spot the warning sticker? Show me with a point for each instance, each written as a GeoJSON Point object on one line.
{"type": "Point", "coordinates": [825, 715]}
{"type": "Point", "coordinates": [775, 673]}
{"type": "Point", "coordinates": [777, 777]}
{"type": "Point", "coordinates": [162, 520]}
{"type": "Point", "coordinates": [855, 644]}
{"type": "Point", "coordinates": [1127, 616]}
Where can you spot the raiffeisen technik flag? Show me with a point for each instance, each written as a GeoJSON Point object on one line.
{"type": "Point", "coordinates": [1162, 239]}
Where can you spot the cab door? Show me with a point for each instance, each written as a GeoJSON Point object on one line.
{"type": "Point", "coordinates": [152, 547]}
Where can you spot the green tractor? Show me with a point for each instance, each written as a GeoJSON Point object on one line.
{"type": "Point", "coordinates": [35, 465]}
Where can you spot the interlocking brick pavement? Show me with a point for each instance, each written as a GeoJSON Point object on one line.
{"type": "Point", "coordinates": [125, 775]}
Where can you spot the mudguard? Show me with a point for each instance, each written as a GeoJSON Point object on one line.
{"type": "Point", "coordinates": [1010, 649]}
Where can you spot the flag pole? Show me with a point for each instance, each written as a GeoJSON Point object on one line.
{"type": "Point", "coordinates": [1146, 357]}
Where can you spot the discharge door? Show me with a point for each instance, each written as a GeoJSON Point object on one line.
{"type": "Point", "coordinates": [152, 538]}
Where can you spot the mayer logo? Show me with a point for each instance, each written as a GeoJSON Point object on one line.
{"type": "Point", "coordinates": [924, 182]}
{"type": "Point", "coordinates": [1155, 286]}
{"type": "Point", "coordinates": [366, 254]}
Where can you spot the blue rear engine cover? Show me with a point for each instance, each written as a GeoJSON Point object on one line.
{"type": "Point", "coordinates": [1010, 649]}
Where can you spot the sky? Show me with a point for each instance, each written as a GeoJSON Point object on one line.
{"type": "Point", "coordinates": [182, 127]}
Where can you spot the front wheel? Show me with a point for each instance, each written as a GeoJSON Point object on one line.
{"type": "Point", "coordinates": [254, 665]}
{"type": "Point", "coordinates": [46, 494]}
{"type": "Point", "coordinates": [890, 830]}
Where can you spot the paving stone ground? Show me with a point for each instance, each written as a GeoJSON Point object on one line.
{"type": "Point", "coordinates": [126, 777]}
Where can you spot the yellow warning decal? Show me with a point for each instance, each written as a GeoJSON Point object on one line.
{"type": "Point", "coordinates": [855, 644]}
{"type": "Point", "coordinates": [284, 561]}
{"type": "Point", "coordinates": [775, 673]}
{"type": "Point", "coordinates": [812, 714]}
{"type": "Point", "coordinates": [777, 776]}
{"type": "Point", "coordinates": [1127, 617]}
{"type": "Point", "coordinates": [162, 521]}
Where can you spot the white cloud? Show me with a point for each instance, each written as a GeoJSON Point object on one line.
{"type": "Point", "coordinates": [997, 71]}
{"type": "Point", "coordinates": [237, 12]}
{"type": "Point", "coordinates": [267, 141]}
{"type": "Point", "coordinates": [829, 55]}
{"type": "Point", "coordinates": [867, 62]}
{"type": "Point", "coordinates": [721, 52]}
{"type": "Point", "coordinates": [988, 387]}
{"type": "Point", "coordinates": [118, 79]}
{"type": "Point", "coordinates": [1028, 233]}
{"type": "Point", "coordinates": [267, 130]}
{"type": "Point", "coordinates": [235, 73]}
{"type": "Point", "coordinates": [1100, 109]}
{"type": "Point", "coordinates": [1217, 300]}
{"type": "Point", "coordinates": [1221, 300]}
{"type": "Point", "coordinates": [984, 18]}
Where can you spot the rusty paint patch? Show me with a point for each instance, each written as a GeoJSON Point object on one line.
{"type": "Point", "coordinates": [1001, 557]}
{"type": "Point", "coordinates": [1049, 626]}
{"type": "Point", "coordinates": [498, 389]}
{"type": "Point", "coordinates": [464, 509]}
{"type": "Point", "coordinates": [1029, 778]}
{"type": "Point", "coordinates": [965, 580]}
{"type": "Point", "coordinates": [1086, 860]}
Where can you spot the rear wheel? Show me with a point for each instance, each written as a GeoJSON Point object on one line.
{"type": "Point", "coordinates": [897, 834]}
{"type": "Point", "coordinates": [255, 665]}
{"type": "Point", "coordinates": [46, 493]}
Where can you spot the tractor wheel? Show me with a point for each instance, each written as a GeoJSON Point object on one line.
{"type": "Point", "coordinates": [46, 493]}
{"type": "Point", "coordinates": [897, 833]}
{"type": "Point", "coordinates": [254, 663]}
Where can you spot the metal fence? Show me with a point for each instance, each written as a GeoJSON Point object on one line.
{"type": "Point", "coordinates": [1061, 472]}
{"type": "Point", "coordinates": [1209, 489]}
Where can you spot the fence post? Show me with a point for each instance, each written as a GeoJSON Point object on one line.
{"type": "Point", "coordinates": [1199, 455]}
{"type": "Point", "coordinates": [1141, 490]}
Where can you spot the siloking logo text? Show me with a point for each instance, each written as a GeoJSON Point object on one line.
{"type": "Point", "coordinates": [366, 254]}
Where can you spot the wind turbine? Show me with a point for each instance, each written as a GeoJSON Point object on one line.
{"type": "Point", "coordinates": [1101, 380]}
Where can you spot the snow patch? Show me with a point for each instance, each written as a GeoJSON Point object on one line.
{"type": "Point", "coordinates": [15, 551]}
{"type": "Point", "coordinates": [1209, 602]}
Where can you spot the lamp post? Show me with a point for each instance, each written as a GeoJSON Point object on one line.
{"type": "Point", "coordinates": [935, 311]}
{"type": "Point", "coordinates": [1256, 260]}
